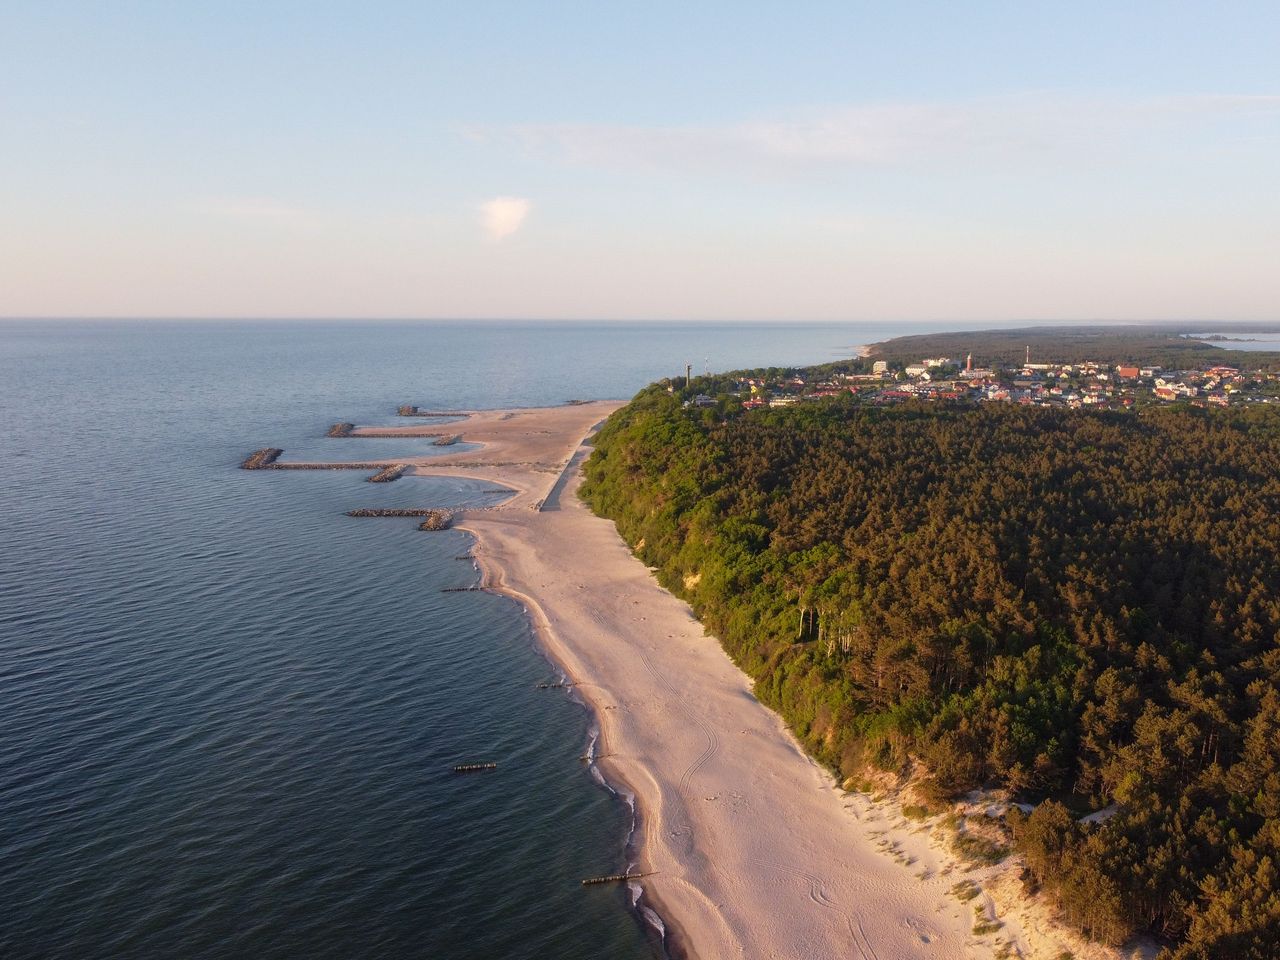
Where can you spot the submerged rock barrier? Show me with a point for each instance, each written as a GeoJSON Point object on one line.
{"type": "Point", "coordinates": [391, 512]}
{"type": "Point", "coordinates": [265, 459]}
{"type": "Point", "coordinates": [408, 410]}
{"type": "Point", "coordinates": [368, 433]}
{"type": "Point", "coordinates": [261, 459]}
{"type": "Point", "coordinates": [353, 465]}
{"type": "Point", "coordinates": [431, 519]}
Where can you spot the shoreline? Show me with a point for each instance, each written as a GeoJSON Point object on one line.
{"type": "Point", "coordinates": [748, 846]}
{"type": "Point", "coordinates": [773, 895]}
{"type": "Point", "coordinates": [492, 580]}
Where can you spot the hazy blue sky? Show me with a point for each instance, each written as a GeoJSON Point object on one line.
{"type": "Point", "coordinates": [700, 160]}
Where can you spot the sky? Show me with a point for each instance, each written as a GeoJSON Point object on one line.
{"type": "Point", "coordinates": [695, 160]}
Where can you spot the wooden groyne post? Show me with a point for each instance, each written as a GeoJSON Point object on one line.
{"type": "Point", "coordinates": [474, 767]}
{"type": "Point", "coordinates": [614, 878]}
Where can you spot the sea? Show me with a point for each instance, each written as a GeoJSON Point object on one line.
{"type": "Point", "coordinates": [229, 713]}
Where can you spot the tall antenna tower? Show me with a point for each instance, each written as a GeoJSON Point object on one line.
{"type": "Point", "coordinates": [1028, 353]}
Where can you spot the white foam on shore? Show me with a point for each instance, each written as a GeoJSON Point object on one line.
{"type": "Point", "coordinates": [654, 921]}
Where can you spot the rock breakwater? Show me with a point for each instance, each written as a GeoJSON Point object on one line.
{"type": "Point", "coordinates": [266, 459]}
{"type": "Point", "coordinates": [431, 519]}
{"type": "Point", "coordinates": [408, 410]}
{"type": "Point", "coordinates": [261, 459]}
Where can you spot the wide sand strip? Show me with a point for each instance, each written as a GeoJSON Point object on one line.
{"type": "Point", "coordinates": [750, 848]}
{"type": "Point", "coordinates": [525, 448]}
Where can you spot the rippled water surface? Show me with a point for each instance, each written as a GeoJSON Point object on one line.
{"type": "Point", "coordinates": [228, 712]}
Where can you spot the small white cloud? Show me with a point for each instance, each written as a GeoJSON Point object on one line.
{"type": "Point", "coordinates": [503, 216]}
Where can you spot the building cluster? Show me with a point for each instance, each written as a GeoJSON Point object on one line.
{"type": "Point", "coordinates": [1089, 384]}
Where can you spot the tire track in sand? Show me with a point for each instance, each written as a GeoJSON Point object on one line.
{"type": "Point", "coordinates": [708, 731]}
{"type": "Point", "coordinates": [818, 894]}
{"type": "Point", "coordinates": [712, 908]}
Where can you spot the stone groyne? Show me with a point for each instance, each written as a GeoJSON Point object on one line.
{"type": "Point", "coordinates": [261, 459]}
{"type": "Point", "coordinates": [367, 433]}
{"type": "Point", "coordinates": [431, 519]}
{"type": "Point", "coordinates": [448, 440]}
{"type": "Point", "coordinates": [438, 520]}
{"type": "Point", "coordinates": [408, 410]}
{"type": "Point", "coordinates": [388, 473]}
{"type": "Point", "coordinates": [391, 512]}
{"type": "Point", "coordinates": [354, 465]}
{"type": "Point", "coordinates": [341, 430]}
{"type": "Point", "coordinates": [265, 459]}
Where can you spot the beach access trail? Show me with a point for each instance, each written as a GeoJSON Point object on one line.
{"type": "Point", "coordinates": [749, 848]}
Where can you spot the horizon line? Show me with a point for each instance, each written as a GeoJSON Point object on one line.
{"type": "Point", "coordinates": [300, 318]}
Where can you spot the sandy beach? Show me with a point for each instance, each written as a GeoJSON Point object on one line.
{"type": "Point", "coordinates": [749, 848]}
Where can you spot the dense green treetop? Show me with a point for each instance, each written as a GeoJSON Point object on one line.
{"type": "Point", "coordinates": [1082, 607]}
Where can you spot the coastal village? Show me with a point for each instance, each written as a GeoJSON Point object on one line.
{"type": "Point", "coordinates": [1073, 385]}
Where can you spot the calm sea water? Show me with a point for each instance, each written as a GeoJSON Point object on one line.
{"type": "Point", "coordinates": [1256, 340]}
{"type": "Point", "coordinates": [228, 712]}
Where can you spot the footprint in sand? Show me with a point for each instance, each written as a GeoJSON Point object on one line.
{"type": "Point", "coordinates": [919, 928]}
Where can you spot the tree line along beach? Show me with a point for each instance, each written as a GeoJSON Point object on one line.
{"type": "Point", "coordinates": [731, 807]}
